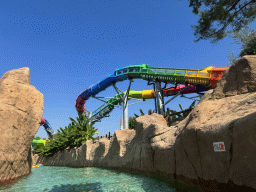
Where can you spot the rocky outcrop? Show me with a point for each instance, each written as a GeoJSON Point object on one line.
{"type": "Point", "coordinates": [184, 153]}
{"type": "Point", "coordinates": [225, 114]}
{"type": "Point", "coordinates": [21, 109]}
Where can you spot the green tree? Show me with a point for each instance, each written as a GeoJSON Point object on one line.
{"type": "Point", "coordinates": [247, 38]}
{"type": "Point", "coordinates": [219, 14]}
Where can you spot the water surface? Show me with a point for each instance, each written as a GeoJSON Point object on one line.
{"type": "Point", "coordinates": [91, 179]}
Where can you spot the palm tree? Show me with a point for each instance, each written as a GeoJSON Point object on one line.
{"type": "Point", "coordinates": [83, 127]}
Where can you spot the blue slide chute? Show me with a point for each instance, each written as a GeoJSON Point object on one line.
{"type": "Point", "coordinates": [93, 90]}
{"type": "Point", "coordinates": [47, 128]}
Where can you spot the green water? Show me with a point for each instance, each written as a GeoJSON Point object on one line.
{"type": "Point", "coordinates": [51, 179]}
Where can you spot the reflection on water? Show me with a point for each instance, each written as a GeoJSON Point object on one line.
{"type": "Point", "coordinates": [89, 179]}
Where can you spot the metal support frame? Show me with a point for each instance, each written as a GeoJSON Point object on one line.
{"type": "Point", "coordinates": [141, 100]}
{"type": "Point", "coordinates": [179, 93]}
{"type": "Point", "coordinates": [154, 97]}
{"type": "Point", "coordinates": [105, 101]}
{"type": "Point", "coordinates": [125, 107]}
{"type": "Point", "coordinates": [124, 100]}
{"type": "Point", "coordinates": [125, 111]}
{"type": "Point", "coordinates": [192, 97]}
{"type": "Point", "coordinates": [117, 91]}
{"type": "Point", "coordinates": [102, 97]}
{"type": "Point", "coordinates": [159, 98]}
{"type": "Point", "coordinates": [90, 115]}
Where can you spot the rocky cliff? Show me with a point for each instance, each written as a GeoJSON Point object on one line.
{"type": "Point", "coordinates": [21, 109]}
{"type": "Point", "coordinates": [213, 149]}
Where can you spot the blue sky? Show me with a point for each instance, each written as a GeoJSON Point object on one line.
{"type": "Point", "coordinates": [70, 45]}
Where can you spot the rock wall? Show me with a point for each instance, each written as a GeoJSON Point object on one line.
{"type": "Point", "coordinates": [21, 109]}
{"type": "Point", "coordinates": [184, 153]}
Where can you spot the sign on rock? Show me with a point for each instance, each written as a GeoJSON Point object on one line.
{"type": "Point", "coordinates": [219, 146]}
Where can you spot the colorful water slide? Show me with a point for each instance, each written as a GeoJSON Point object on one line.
{"type": "Point", "coordinates": [40, 142]}
{"type": "Point", "coordinates": [47, 128]}
{"type": "Point", "coordinates": [204, 78]}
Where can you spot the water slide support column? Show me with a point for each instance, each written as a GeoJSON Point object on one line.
{"type": "Point", "coordinates": [155, 111]}
{"type": "Point", "coordinates": [125, 106]}
{"type": "Point", "coordinates": [125, 112]}
{"type": "Point", "coordinates": [159, 98]}
{"type": "Point", "coordinates": [90, 115]}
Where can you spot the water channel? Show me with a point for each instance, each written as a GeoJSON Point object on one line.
{"type": "Point", "coordinates": [88, 179]}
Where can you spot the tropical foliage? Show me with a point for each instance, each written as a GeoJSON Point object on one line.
{"type": "Point", "coordinates": [178, 116]}
{"type": "Point", "coordinates": [74, 135]}
{"type": "Point", "coordinates": [247, 38]}
{"type": "Point", "coordinates": [171, 119]}
{"type": "Point", "coordinates": [132, 119]}
{"type": "Point", "coordinates": [37, 138]}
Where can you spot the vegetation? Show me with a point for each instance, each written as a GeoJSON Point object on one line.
{"type": "Point", "coordinates": [37, 138]}
{"type": "Point", "coordinates": [132, 119]}
{"type": "Point", "coordinates": [219, 14]}
{"type": "Point", "coordinates": [74, 135]}
{"type": "Point", "coordinates": [173, 116]}
{"type": "Point", "coordinates": [247, 38]}
{"type": "Point", "coordinates": [171, 119]}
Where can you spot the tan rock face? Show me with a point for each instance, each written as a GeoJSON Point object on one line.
{"type": "Point", "coordinates": [21, 109]}
{"type": "Point", "coordinates": [225, 114]}
{"type": "Point", "coordinates": [185, 151]}
{"type": "Point", "coordinates": [239, 79]}
{"type": "Point", "coordinates": [145, 120]}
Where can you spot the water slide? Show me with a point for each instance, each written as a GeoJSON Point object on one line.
{"type": "Point", "coordinates": [205, 79]}
{"type": "Point", "coordinates": [40, 142]}
{"type": "Point", "coordinates": [47, 128]}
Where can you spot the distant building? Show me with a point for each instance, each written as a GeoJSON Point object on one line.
{"type": "Point", "coordinates": [121, 123]}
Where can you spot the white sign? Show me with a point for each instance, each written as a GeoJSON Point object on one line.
{"type": "Point", "coordinates": [219, 146]}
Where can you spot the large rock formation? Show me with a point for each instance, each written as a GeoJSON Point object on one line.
{"type": "Point", "coordinates": [185, 153]}
{"type": "Point", "coordinates": [21, 109]}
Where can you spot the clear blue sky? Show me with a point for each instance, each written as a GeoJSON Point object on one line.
{"type": "Point", "coordinates": [70, 45]}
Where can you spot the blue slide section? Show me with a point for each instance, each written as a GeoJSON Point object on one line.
{"type": "Point", "coordinates": [94, 90]}
{"type": "Point", "coordinates": [47, 128]}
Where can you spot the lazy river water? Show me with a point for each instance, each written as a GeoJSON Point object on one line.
{"type": "Point", "coordinates": [89, 179]}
